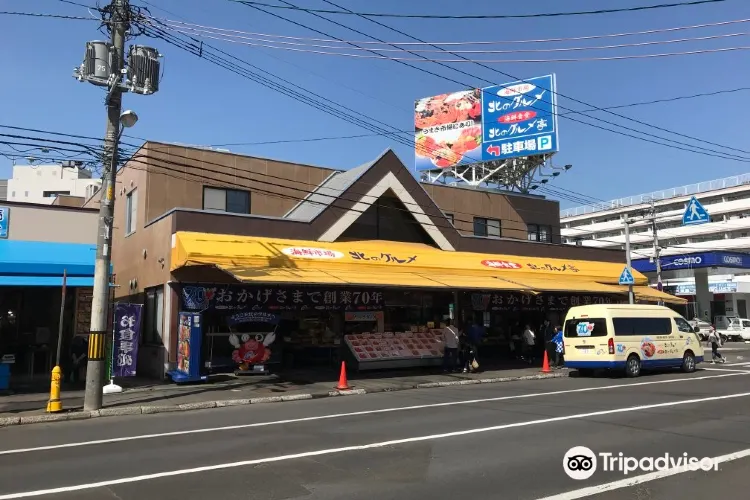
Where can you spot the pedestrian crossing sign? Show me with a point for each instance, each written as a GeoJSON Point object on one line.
{"type": "Point", "coordinates": [626, 277]}
{"type": "Point", "coordinates": [695, 213]}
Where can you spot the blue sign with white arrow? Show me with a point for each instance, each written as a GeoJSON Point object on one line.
{"type": "Point", "coordinates": [626, 278]}
{"type": "Point", "coordinates": [695, 213]}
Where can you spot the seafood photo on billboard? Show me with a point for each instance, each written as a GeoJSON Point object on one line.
{"type": "Point", "coordinates": [448, 129]}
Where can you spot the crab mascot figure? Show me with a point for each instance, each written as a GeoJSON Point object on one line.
{"type": "Point", "coordinates": [251, 350]}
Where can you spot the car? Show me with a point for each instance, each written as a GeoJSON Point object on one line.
{"type": "Point", "coordinates": [703, 328]}
{"type": "Point", "coordinates": [737, 329]}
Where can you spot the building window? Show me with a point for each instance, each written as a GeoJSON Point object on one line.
{"type": "Point", "coordinates": [449, 217]}
{"type": "Point", "coordinates": [226, 200]}
{"type": "Point", "coordinates": [131, 211]}
{"type": "Point", "coordinates": [153, 323]}
{"type": "Point", "coordinates": [54, 194]}
{"type": "Point", "coordinates": [486, 227]}
{"type": "Point", "coordinates": [539, 232]}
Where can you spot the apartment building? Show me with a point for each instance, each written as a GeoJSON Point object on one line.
{"type": "Point", "coordinates": [42, 184]}
{"type": "Point", "coordinates": [714, 252]}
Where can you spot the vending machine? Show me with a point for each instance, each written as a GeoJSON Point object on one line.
{"type": "Point", "coordinates": [189, 338]}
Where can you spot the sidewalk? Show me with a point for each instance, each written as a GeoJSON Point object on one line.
{"type": "Point", "coordinates": [234, 391]}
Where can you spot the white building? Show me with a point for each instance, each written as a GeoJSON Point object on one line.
{"type": "Point", "coordinates": [708, 261]}
{"type": "Point", "coordinates": [43, 183]}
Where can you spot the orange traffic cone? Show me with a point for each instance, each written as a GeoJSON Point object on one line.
{"type": "Point", "coordinates": [343, 384]}
{"type": "Point", "coordinates": [545, 364]}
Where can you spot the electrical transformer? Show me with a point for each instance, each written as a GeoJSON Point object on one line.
{"type": "Point", "coordinates": [143, 69]}
{"type": "Point", "coordinates": [97, 63]}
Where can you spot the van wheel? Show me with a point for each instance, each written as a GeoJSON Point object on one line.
{"type": "Point", "coordinates": [633, 366]}
{"type": "Point", "coordinates": [688, 362]}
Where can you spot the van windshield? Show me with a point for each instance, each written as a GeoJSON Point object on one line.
{"type": "Point", "coordinates": [586, 327]}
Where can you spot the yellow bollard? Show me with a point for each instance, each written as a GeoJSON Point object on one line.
{"type": "Point", "coordinates": [55, 403]}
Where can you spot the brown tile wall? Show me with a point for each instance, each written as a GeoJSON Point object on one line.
{"type": "Point", "coordinates": [178, 175]}
{"type": "Point", "coordinates": [514, 212]}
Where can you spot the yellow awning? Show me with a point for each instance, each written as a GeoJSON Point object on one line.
{"type": "Point", "coordinates": [653, 295]}
{"type": "Point", "coordinates": [389, 263]}
{"type": "Point", "coordinates": [558, 285]}
{"type": "Point", "coordinates": [318, 277]}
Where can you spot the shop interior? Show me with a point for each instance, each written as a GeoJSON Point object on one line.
{"type": "Point", "coordinates": [29, 320]}
{"type": "Point", "coordinates": [404, 332]}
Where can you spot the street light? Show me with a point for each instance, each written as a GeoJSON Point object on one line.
{"type": "Point", "coordinates": [128, 118]}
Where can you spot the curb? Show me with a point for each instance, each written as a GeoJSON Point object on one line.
{"type": "Point", "coordinates": [152, 410]}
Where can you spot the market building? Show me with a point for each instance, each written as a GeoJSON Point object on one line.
{"type": "Point", "coordinates": [38, 244]}
{"type": "Point", "coordinates": [242, 262]}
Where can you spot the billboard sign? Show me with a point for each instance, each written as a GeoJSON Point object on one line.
{"type": "Point", "coordinates": [511, 120]}
{"type": "Point", "coordinates": [448, 130]}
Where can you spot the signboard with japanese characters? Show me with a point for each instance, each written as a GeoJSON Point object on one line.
{"type": "Point", "coordinates": [511, 301]}
{"type": "Point", "coordinates": [511, 120]}
{"type": "Point", "coordinates": [126, 339]}
{"type": "Point", "coordinates": [276, 299]}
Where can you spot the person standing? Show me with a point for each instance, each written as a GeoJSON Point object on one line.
{"type": "Point", "coordinates": [475, 336]}
{"type": "Point", "coordinates": [547, 333]}
{"type": "Point", "coordinates": [559, 344]}
{"type": "Point", "coordinates": [529, 343]}
{"type": "Point", "coordinates": [450, 346]}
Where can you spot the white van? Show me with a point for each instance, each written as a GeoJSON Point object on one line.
{"type": "Point", "coordinates": [629, 337]}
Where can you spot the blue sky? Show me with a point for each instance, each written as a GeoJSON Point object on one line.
{"type": "Point", "coordinates": [200, 103]}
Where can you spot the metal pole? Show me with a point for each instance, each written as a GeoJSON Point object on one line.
{"type": "Point", "coordinates": [99, 306]}
{"type": "Point", "coordinates": [657, 251]}
{"type": "Point", "coordinates": [631, 299]}
{"type": "Point", "coordinates": [62, 317]}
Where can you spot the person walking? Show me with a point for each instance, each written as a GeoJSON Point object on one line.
{"type": "Point", "coordinates": [450, 346]}
{"type": "Point", "coordinates": [715, 339]}
{"type": "Point", "coordinates": [529, 342]}
{"type": "Point", "coordinates": [559, 344]}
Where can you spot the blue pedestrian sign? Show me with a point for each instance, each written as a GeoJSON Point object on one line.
{"type": "Point", "coordinates": [695, 213]}
{"type": "Point", "coordinates": [626, 278]}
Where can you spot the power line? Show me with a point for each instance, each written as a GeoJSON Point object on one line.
{"type": "Point", "coordinates": [53, 16]}
{"type": "Point", "coordinates": [191, 30]}
{"type": "Point", "coordinates": [483, 16]}
{"type": "Point", "coordinates": [478, 42]}
{"type": "Point", "coordinates": [194, 32]}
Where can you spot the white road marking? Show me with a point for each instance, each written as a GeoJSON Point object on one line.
{"type": "Point", "coordinates": [645, 478]}
{"type": "Point", "coordinates": [734, 370]}
{"type": "Point", "coordinates": [382, 444]}
{"type": "Point", "coordinates": [360, 413]}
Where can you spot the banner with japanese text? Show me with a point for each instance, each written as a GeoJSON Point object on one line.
{"type": "Point", "coordinates": [126, 339]}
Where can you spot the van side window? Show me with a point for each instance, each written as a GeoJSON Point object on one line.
{"type": "Point", "coordinates": [683, 325]}
{"type": "Point", "coordinates": [642, 326]}
{"type": "Point", "coordinates": [586, 327]}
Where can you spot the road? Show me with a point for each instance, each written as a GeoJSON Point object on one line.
{"type": "Point", "coordinates": [479, 441]}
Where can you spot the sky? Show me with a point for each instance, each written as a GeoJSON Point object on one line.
{"type": "Point", "coordinates": [200, 103]}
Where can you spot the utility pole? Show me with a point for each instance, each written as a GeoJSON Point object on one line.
{"type": "Point", "coordinates": [631, 298]}
{"type": "Point", "coordinates": [657, 250]}
{"type": "Point", "coordinates": [120, 14]}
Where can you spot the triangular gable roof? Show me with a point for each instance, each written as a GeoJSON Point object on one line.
{"type": "Point", "coordinates": [366, 185]}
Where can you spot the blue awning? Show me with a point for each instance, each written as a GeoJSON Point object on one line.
{"type": "Point", "coordinates": [44, 281]}
{"type": "Point", "coordinates": [41, 258]}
